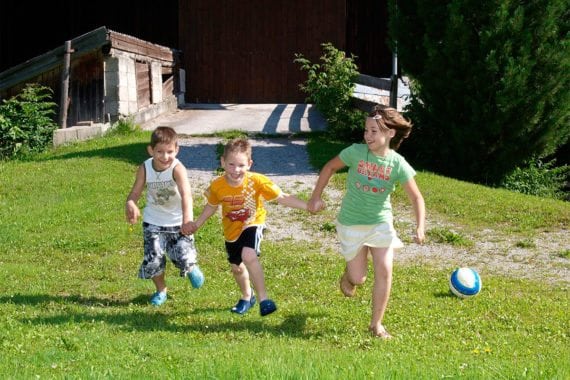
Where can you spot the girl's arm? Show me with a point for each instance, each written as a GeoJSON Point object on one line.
{"type": "Point", "coordinates": [418, 204]}
{"type": "Point", "coordinates": [132, 211]}
{"type": "Point", "coordinates": [315, 203]}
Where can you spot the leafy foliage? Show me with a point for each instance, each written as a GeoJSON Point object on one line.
{"type": "Point", "coordinates": [542, 179]}
{"type": "Point", "coordinates": [329, 86]}
{"type": "Point", "coordinates": [124, 126]}
{"type": "Point", "coordinates": [26, 123]}
{"type": "Point", "coordinates": [490, 82]}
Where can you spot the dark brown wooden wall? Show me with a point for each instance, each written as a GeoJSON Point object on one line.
{"type": "Point", "coordinates": [243, 51]}
{"type": "Point", "coordinates": [233, 50]}
{"type": "Point", "coordinates": [367, 36]}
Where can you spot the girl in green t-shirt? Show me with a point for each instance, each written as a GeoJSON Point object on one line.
{"type": "Point", "coordinates": [364, 224]}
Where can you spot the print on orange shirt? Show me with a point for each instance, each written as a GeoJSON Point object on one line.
{"type": "Point", "coordinates": [238, 213]}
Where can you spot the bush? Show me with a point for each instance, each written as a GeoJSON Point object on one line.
{"type": "Point", "coordinates": [540, 179]}
{"type": "Point", "coordinates": [124, 126]}
{"type": "Point", "coordinates": [491, 84]}
{"type": "Point", "coordinates": [329, 86]}
{"type": "Point", "coordinates": [26, 123]}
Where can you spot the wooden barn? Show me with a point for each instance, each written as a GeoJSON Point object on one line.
{"type": "Point", "coordinates": [102, 76]}
{"type": "Point", "coordinates": [228, 51]}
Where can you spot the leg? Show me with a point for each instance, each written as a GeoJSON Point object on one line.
{"type": "Point", "coordinates": [383, 263]}
{"type": "Point", "coordinates": [247, 300]}
{"type": "Point", "coordinates": [241, 275]}
{"type": "Point", "coordinates": [154, 263]}
{"type": "Point", "coordinates": [251, 262]}
{"type": "Point", "coordinates": [160, 282]}
{"type": "Point", "coordinates": [182, 252]}
{"type": "Point", "coordinates": [243, 255]}
{"type": "Point", "coordinates": [354, 273]}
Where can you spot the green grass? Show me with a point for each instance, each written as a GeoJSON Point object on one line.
{"type": "Point", "coordinates": [72, 306]}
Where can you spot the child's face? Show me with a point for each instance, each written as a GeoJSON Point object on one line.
{"type": "Point", "coordinates": [375, 136]}
{"type": "Point", "coordinates": [163, 155]}
{"type": "Point", "coordinates": [236, 166]}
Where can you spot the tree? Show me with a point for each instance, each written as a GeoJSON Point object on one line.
{"type": "Point", "coordinates": [490, 83]}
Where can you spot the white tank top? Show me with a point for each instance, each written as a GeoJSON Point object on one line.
{"type": "Point", "coordinates": [163, 201]}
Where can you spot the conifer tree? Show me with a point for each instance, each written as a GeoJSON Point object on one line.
{"type": "Point", "coordinates": [490, 82]}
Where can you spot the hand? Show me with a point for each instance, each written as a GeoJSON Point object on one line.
{"type": "Point", "coordinates": [189, 228]}
{"type": "Point", "coordinates": [420, 236]}
{"type": "Point", "coordinates": [132, 212]}
{"type": "Point", "coordinates": [315, 205]}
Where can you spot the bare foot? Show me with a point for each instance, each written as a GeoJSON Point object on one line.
{"type": "Point", "coordinates": [347, 288]}
{"type": "Point", "coordinates": [380, 332]}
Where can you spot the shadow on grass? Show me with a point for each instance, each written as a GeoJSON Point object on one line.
{"type": "Point", "coordinates": [447, 294]}
{"type": "Point", "coordinates": [134, 153]}
{"type": "Point", "coordinates": [40, 299]}
{"type": "Point", "coordinates": [275, 156]}
{"type": "Point", "coordinates": [158, 319]}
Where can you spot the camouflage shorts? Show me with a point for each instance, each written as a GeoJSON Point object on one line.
{"type": "Point", "coordinates": [160, 242]}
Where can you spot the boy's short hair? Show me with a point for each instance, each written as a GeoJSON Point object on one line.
{"type": "Point", "coordinates": [238, 145]}
{"type": "Point", "coordinates": [163, 135]}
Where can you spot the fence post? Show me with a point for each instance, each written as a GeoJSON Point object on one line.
{"type": "Point", "coordinates": [65, 73]}
{"type": "Point", "coordinates": [394, 81]}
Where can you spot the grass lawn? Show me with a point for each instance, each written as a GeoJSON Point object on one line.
{"type": "Point", "coordinates": [72, 307]}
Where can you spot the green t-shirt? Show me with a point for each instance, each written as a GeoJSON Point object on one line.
{"type": "Point", "coordinates": [369, 183]}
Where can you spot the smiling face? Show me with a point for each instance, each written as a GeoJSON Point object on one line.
{"type": "Point", "coordinates": [163, 154]}
{"type": "Point", "coordinates": [377, 136]}
{"type": "Point", "coordinates": [236, 165]}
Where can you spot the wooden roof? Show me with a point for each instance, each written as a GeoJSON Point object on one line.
{"type": "Point", "coordinates": [86, 43]}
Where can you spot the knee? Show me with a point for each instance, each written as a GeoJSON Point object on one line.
{"type": "Point", "coordinates": [359, 280]}
{"type": "Point", "coordinates": [356, 279]}
{"type": "Point", "coordinates": [248, 257]}
{"type": "Point", "coordinates": [236, 269]}
{"type": "Point", "coordinates": [384, 270]}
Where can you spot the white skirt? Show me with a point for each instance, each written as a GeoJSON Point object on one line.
{"type": "Point", "coordinates": [353, 238]}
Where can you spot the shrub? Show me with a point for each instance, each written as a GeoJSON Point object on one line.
{"type": "Point", "coordinates": [329, 86]}
{"type": "Point", "coordinates": [124, 126]}
{"type": "Point", "coordinates": [540, 179]}
{"type": "Point", "coordinates": [26, 124]}
{"type": "Point", "coordinates": [491, 84]}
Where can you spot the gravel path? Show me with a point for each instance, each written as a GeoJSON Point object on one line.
{"type": "Point", "coordinates": [285, 160]}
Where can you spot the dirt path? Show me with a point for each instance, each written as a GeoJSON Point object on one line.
{"type": "Point", "coordinates": [286, 162]}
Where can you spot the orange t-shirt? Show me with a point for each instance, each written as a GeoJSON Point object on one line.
{"type": "Point", "coordinates": [242, 206]}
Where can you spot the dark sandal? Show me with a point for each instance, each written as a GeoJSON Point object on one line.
{"type": "Point", "coordinates": [243, 305]}
{"type": "Point", "coordinates": [267, 307]}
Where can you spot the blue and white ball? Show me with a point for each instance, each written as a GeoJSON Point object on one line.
{"type": "Point", "coordinates": [465, 282]}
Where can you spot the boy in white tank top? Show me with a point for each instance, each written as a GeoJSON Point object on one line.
{"type": "Point", "coordinates": [168, 208]}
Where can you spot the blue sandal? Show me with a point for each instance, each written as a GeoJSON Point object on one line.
{"type": "Point", "coordinates": [158, 298]}
{"type": "Point", "coordinates": [243, 305]}
{"type": "Point", "coordinates": [196, 277]}
{"type": "Point", "coordinates": [267, 307]}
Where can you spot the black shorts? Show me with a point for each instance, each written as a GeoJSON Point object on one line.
{"type": "Point", "coordinates": [250, 237]}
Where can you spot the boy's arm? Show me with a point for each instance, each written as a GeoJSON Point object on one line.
{"type": "Point", "coordinates": [315, 203]}
{"type": "Point", "coordinates": [291, 201]}
{"type": "Point", "coordinates": [417, 200]}
{"type": "Point", "coordinates": [132, 211]}
{"type": "Point", "coordinates": [207, 212]}
{"type": "Point", "coordinates": [181, 177]}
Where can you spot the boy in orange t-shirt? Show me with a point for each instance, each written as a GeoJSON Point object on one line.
{"type": "Point", "coordinates": [241, 194]}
